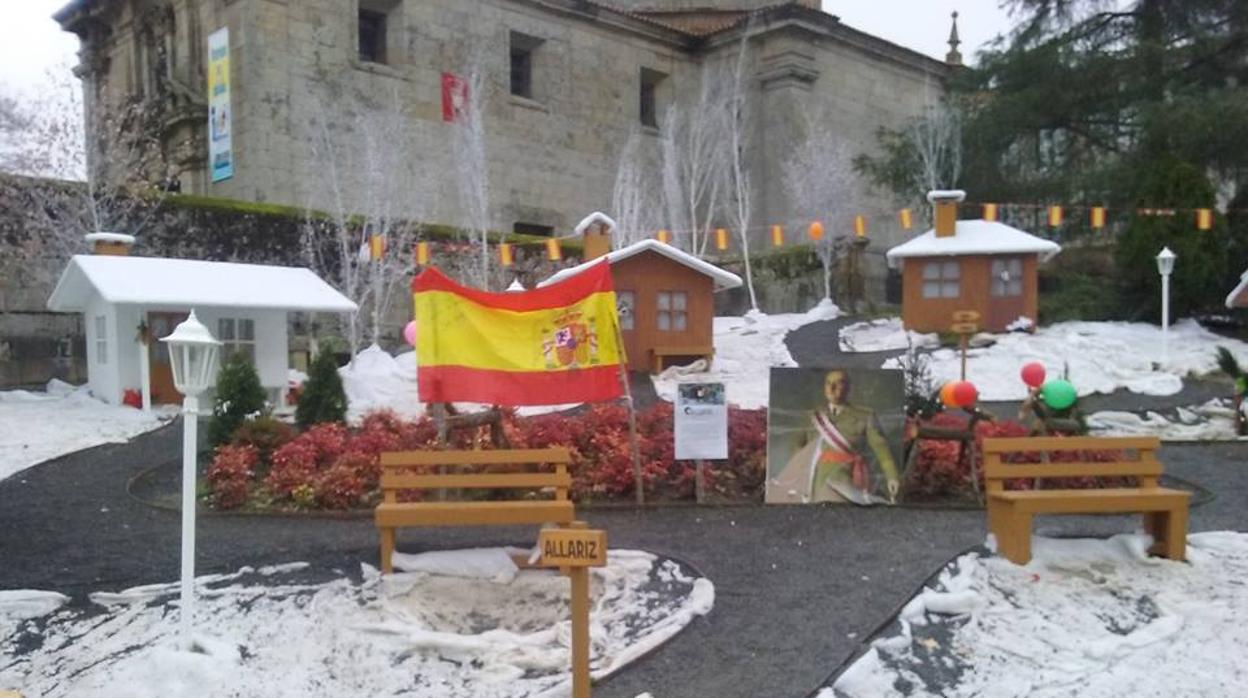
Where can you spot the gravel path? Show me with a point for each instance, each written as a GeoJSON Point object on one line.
{"type": "Point", "coordinates": [796, 587]}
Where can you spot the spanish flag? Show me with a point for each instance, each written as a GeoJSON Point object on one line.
{"type": "Point", "coordinates": [547, 346]}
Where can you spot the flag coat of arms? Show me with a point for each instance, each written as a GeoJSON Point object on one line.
{"type": "Point", "coordinates": [552, 345]}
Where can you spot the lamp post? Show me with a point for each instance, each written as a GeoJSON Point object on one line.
{"type": "Point", "coordinates": [1165, 265]}
{"type": "Point", "coordinates": [193, 358]}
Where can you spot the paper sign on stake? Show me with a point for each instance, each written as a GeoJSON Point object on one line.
{"type": "Point", "coordinates": [701, 416]}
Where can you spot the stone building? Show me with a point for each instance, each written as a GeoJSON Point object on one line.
{"type": "Point", "coordinates": [567, 83]}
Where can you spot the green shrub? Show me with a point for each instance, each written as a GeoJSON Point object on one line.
{"type": "Point", "coordinates": [323, 399]}
{"type": "Point", "coordinates": [266, 434]}
{"type": "Point", "coordinates": [239, 396]}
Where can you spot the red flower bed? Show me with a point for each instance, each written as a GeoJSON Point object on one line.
{"type": "Point", "coordinates": [333, 467]}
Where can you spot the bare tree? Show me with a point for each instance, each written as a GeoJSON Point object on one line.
{"type": "Point", "coordinates": [693, 161]}
{"type": "Point", "coordinates": [634, 199]}
{"type": "Point", "coordinates": [471, 165]}
{"type": "Point", "coordinates": [936, 136]}
{"type": "Point", "coordinates": [819, 179]}
{"type": "Point", "coordinates": [738, 126]}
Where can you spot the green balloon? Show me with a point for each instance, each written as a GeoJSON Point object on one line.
{"type": "Point", "coordinates": [1058, 394]}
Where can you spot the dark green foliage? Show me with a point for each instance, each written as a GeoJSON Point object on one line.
{"type": "Point", "coordinates": [1200, 272]}
{"type": "Point", "coordinates": [323, 399]}
{"type": "Point", "coordinates": [266, 434]}
{"type": "Point", "coordinates": [239, 395]}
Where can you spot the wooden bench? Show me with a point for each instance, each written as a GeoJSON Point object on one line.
{"type": "Point", "coordinates": [1010, 511]}
{"type": "Point", "coordinates": [658, 354]}
{"type": "Point", "coordinates": [397, 475]}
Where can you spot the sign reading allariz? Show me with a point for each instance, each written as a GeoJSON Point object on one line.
{"type": "Point", "coordinates": [572, 547]}
{"type": "Point", "coordinates": [220, 117]}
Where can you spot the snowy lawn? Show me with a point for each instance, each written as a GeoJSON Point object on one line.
{"type": "Point", "coordinates": [494, 632]}
{"type": "Point", "coordinates": [1102, 357]}
{"type": "Point", "coordinates": [39, 426]}
{"type": "Point", "coordinates": [1083, 618]}
{"type": "Point", "coordinates": [745, 350]}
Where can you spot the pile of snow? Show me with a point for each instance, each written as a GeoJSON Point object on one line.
{"type": "Point", "coordinates": [40, 426]}
{"type": "Point", "coordinates": [411, 634]}
{"type": "Point", "coordinates": [1084, 617]}
{"type": "Point", "coordinates": [746, 348]}
{"type": "Point", "coordinates": [1102, 357]}
{"type": "Point", "coordinates": [1212, 421]}
{"type": "Point", "coordinates": [885, 334]}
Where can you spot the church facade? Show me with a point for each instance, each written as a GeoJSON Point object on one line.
{"type": "Point", "coordinates": [566, 84]}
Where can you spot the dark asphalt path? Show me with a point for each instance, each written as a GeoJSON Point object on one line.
{"type": "Point", "coordinates": [792, 583]}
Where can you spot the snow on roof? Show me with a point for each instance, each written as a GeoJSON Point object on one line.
{"type": "Point", "coordinates": [189, 283]}
{"type": "Point", "coordinates": [595, 217]}
{"type": "Point", "coordinates": [1234, 300]}
{"type": "Point", "coordinates": [972, 238]}
{"type": "Point", "coordinates": [723, 279]}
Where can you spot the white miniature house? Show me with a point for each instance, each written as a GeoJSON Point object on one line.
{"type": "Point", "coordinates": [129, 303]}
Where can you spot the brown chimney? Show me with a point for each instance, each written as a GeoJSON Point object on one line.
{"type": "Point", "coordinates": [596, 233]}
{"type": "Point", "coordinates": [110, 244]}
{"type": "Point", "coordinates": [946, 213]}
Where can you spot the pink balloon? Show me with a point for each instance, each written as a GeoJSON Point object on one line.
{"type": "Point", "coordinates": [1033, 374]}
{"type": "Point", "coordinates": [409, 333]}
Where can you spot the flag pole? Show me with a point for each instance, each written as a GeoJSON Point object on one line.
{"type": "Point", "coordinates": [632, 417]}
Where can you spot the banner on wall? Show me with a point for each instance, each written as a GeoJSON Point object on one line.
{"type": "Point", "coordinates": [454, 97]}
{"type": "Point", "coordinates": [220, 117]}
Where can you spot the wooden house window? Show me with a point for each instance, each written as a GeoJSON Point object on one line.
{"type": "Point", "coordinates": [237, 335]}
{"type": "Point", "coordinates": [1007, 278]}
{"type": "Point", "coordinates": [942, 279]}
{"type": "Point", "coordinates": [673, 311]}
{"type": "Point", "coordinates": [625, 303]}
{"type": "Point", "coordinates": [101, 339]}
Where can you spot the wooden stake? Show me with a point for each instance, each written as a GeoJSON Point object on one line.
{"type": "Point", "coordinates": [699, 483]}
{"type": "Point", "coordinates": [634, 444]}
{"type": "Point", "coordinates": [965, 342]}
{"type": "Point", "coordinates": [580, 631]}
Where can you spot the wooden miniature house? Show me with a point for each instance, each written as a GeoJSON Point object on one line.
{"type": "Point", "coordinates": [975, 265]}
{"type": "Point", "coordinates": [665, 296]}
{"type": "Point", "coordinates": [1239, 297]}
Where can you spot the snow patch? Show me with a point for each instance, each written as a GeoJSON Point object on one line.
{"type": "Point", "coordinates": [885, 334]}
{"type": "Point", "coordinates": [1212, 421]}
{"type": "Point", "coordinates": [476, 563]}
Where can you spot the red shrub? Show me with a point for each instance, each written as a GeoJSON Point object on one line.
{"type": "Point", "coordinates": [230, 475]}
{"type": "Point", "coordinates": [342, 486]}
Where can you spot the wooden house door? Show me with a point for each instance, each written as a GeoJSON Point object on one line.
{"type": "Point", "coordinates": [1006, 286]}
{"type": "Point", "coordinates": [161, 371]}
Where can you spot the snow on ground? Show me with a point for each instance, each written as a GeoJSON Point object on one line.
{"type": "Point", "coordinates": [885, 334]}
{"type": "Point", "coordinates": [39, 426]}
{"type": "Point", "coordinates": [414, 634]}
{"type": "Point", "coordinates": [1102, 357]}
{"type": "Point", "coordinates": [745, 350]}
{"type": "Point", "coordinates": [1084, 617]}
{"type": "Point", "coordinates": [1212, 421]}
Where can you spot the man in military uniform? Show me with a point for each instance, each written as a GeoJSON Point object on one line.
{"type": "Point", "coordinates": [833, 464]}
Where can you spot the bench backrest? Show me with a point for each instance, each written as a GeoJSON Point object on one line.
{"type": "Point", "coordinates": [397, 466]}
{"type": "Point", "coordinates": [1145, 467]}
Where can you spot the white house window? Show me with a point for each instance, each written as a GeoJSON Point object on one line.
{"type": "Point", "coordinates": [673, 311]}
{"type": "Point", "coordinates": [1007, 278]}
{"type": "Point", "coordinates": [101, 339]}
{"type": "Point", "coordinates": [942, 280]}
{"type": "Point", "coordinates": [625, 303]}
{"type": "Point", "coordinates": [237, 335]}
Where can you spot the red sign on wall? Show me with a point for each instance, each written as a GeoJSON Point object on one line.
{"type": "Point", "coordinates": [454, 97]}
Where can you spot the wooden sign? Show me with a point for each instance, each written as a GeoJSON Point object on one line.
{"type": "Point", "coordinates": [966, 316]}
{"type": "Point", "coordinates": [571, 547]}
{"type": "Point", "coordinates": [964, 328]}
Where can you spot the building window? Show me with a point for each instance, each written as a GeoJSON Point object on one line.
{"type": "Point", "coordinates": [625, 302]}
{"type": "Point", "coordinates": [673, 311]}
{"type": "Point", "coordinates": [372, 36]}
{"type": "Point", "coordinates": [101, 339]}
{"type": "Point", "coordinates": [942, 280]}
{"type": "Point", "coordinates": [237, 336]}
{"type": "Point", "coordinates": [532, 229]}
{"type": "Point", "coordinates": [523, 48]}
{"type": "Point", "coordinates": [1007, 278]}
{"type": "Point", "coordinates": [649, 107]}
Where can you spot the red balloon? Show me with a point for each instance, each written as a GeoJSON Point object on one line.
{"type": "Point", "coordinates": [1033, 374]}
{"type": "Point", "coordinates": [965, 394]}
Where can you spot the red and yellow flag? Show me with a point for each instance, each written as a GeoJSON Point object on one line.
{"type": "Point", "coordinates": [376, 247]}
{"type": "Point", "coordinates": [504, 254]}
{"type": "Point", "coordinates": [990, 212]}
{"type": "Point", "coordinates": [1098, 217]}
{"type": "Point", "coordinates": [904, 217]}
{"type": "Point", "coordinates": [777, 236]}
{"type": "Point", "coordinates": [1204, 219]}
{"type": "Point", "coordinates": [551, 345]}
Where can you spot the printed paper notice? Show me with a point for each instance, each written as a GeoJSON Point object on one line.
{"type": "Point", "coordinates": [701, 422]}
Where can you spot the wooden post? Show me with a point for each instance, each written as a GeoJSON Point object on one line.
{"type": "Point", "coordinates": [634, 444]}
{"type": "Point", "coordinates": [699, 483]}
{"type": "Point", "coordinates": [574, 550]}
{"type": "Point", "coordinates": [580, 631]}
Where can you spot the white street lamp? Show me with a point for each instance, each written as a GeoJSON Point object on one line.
{"type": "Point", "coordinates": [193, 358]}
{"type": "Point", "coordinates": [1165, 265]}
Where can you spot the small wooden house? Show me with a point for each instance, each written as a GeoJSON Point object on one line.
{"type": "Point", "coordinates": [665, 296]}
{"type": "Point", "coordinates": [975, 265]}
{"type": "Point", "coordinates": [1239, 297]}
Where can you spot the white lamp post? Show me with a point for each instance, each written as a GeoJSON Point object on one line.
{"type": "Point", "coordinates": [1165, 265]}
{"type": "Point", "coordinates": [193, 358]}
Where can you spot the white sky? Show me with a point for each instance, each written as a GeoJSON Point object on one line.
{"type": "Point", "coordinates": [31, 43]}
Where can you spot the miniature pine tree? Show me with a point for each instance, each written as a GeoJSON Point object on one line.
{"type": "Point", "coordinates": [239, 396]}
{"type": "Point", "coordinates": [323, 399]}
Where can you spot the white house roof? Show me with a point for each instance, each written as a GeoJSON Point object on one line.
{"type": "Point", "coordinates": [186, 283]}
{"type": "Point", "coordinates": [1239, 291]}
{"type": "Point", "coordinates": [724, 280]}
{"type": "Point", "coordinates": [974, 238]}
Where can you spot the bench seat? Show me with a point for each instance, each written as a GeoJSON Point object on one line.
{"type": "Point", "coordinates": [1093, 501]}
{"type": "Point", "coordinates": [538, 512]}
